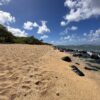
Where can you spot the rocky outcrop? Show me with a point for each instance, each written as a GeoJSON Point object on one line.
{"type": "Point", "coordinates": [67, 59]}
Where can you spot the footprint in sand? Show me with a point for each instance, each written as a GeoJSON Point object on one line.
{"type": "Point", "coordinates": [26, 87]}
{"type": "Point", "coordinates": [27, 82]}
{"type": "Point", "coordinates": [13, 96]}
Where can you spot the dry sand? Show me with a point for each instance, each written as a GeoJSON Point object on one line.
{"type": "Point", "coordinates": [30, 72]}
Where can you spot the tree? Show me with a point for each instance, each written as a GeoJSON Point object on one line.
{"type": "Point", "coordinates": [5, 36]}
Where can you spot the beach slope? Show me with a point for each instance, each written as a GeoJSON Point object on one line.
{"type": "Point", "coordinates": [37, 72]}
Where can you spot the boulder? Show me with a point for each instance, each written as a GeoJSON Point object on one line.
{"type": "Point", "coordinates": [77, 71]}
{"type": "Point", "coordinates": [94, 56]}
{"type": "Point", "coordinates": [67, 59]}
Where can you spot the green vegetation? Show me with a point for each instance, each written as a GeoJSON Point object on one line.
{"type": "Point", "coordinates": [27, 40]}
{"type": "Point", "coordinates": [8, 37]}
{"type": "Point", "coordinates": [5, 36]}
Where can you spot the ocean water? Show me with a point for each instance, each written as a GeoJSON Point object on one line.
{"type": "Point", "coordinates": [83, 47]}
{"type": "Point", "coordinates": [92, 64]}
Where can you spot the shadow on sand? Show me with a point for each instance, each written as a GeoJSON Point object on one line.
{"type": "Point", "coordinates": [92, 67]}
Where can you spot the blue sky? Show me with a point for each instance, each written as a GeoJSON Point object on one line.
{"type": "Point", "coordinates": [55, 21]}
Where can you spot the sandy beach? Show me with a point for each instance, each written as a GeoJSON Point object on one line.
{"type": "Point", "coordinates": [37, 72]}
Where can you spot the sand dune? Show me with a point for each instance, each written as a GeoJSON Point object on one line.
{"type": "Point", "coordinates": [31, 72]}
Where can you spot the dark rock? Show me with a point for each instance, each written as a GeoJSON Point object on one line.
{"type": "Point", "coordinates": [55, 48]}
{"type": "Point", "coordinates": [77, 55]}
{"type": "Point", "coordinates": [68, 59]}
{"type": "Point", "coordinates": [77, 71]}
{"type": "Point", "coordinates": [61, 50]}
{"type": "Point", "coordinates": [69, 50]}
{"type": "Point", "coordinates": [93, 56]}
{"type": "Point", "coordinates": [83, 52]}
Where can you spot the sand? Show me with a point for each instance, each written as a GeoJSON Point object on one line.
{"type": "Point", "coordinates": [37, 72]}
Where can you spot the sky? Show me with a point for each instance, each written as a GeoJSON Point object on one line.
{"type": "Point", "coordinates": [63, 22]}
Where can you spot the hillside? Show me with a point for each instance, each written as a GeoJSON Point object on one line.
{"type": "Point", "coordinates": [8, 37]}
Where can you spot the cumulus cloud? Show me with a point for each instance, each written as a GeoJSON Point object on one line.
{"type": "Point", "coordinates": [43, 28]}
{"type": "Point", "coordinates": [17, 32]}
{"type": "Point", "coordinates": [3, 2]}
{"type": "Point", "coordinates": [28, 25]}
{"type": "Point", "coordinates": [81, 9]}
{"type": "Point", "coordinates": [6, 18]}
{"type": "Point", "coordinates": [44, 37]}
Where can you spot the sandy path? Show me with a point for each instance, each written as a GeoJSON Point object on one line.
{"type": "Point", "coordinates": [37, 73]}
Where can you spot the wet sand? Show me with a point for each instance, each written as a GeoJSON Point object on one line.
{"type": "Point", "coordinates": [37, 72]}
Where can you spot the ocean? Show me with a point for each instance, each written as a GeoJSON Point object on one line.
{"type": "Point", "coordinates": [82, 47]}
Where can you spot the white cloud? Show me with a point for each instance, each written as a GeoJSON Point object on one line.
{"type": "Point", "coordinates": [69, 29]}
{"type": "Point", "coordinates": [17, 32]}
{"type": "Point", "coordinates": [84, 34]}
{"type": "Point", "coordinates": [35, 25]}
{"type": "Point", "coordinates": [82, 9]}
{"type": "Point", "coordinates": [52, 42]}
{"type": "Point", "coordinates": [3, 2]}
{"type": "Point", "coordinates": [70, 3]}
{"type": "Point", "coordinates": [93, 37]}
{"type": "Point", "coordinates": [67, 37]}
{"type": "Point", "coordinates": [43, 28]}
{"type": "Point", "coordinates": [6, 18]}
{"type": "Point", "coordinates": [63, 23]}
{"type": "Point", "coordinates": [28, 25]}
{"type": "Point", "coordinates": [73, 28]}
{"type": "Point", "coordinates": [44, 37]}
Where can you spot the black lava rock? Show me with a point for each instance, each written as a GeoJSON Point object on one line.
{"type": "Point", "coordinates": [77, 71]}
{"type": "Point", "coordinates": [94, 56]}
{"type": "Point", "coordinates": [67, 59]}
{"type": "Point", "coordinates": [77, 55]}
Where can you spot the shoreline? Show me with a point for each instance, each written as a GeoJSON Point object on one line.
{"type": "Point", "coordinates": [38, 71]}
